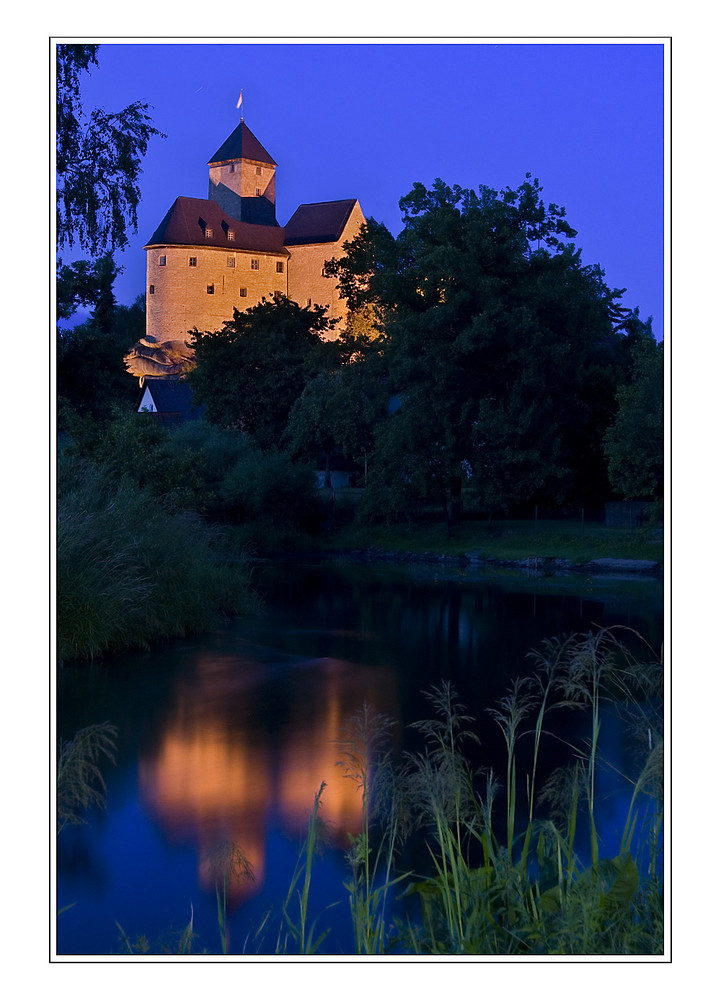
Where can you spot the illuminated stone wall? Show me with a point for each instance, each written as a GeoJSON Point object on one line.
{"type": "Point", "coordinates": [306, 280]}
{"type": "Point", "coordinates": [180, 299]}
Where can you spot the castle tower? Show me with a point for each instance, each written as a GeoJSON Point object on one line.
{"type": "Point", "coordinates": [242, 178]}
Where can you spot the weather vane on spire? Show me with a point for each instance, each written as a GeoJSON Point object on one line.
{"type": "Point", "coordinates": [240, 105]}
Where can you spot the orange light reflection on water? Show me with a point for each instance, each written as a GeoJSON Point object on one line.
{"type": "Point", "coordinates": [219, 774]}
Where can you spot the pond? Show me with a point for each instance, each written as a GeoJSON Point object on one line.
{"type": "Point", "coordinates": [226, 738]}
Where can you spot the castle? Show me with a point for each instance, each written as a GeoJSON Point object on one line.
{"type": "Point", "coordinates": [212, 255]}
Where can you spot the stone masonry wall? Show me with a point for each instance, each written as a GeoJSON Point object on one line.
{"type": "Point", "coordinates": [181, 301]}
{"type": "Point", "coordinates": [306, 282]}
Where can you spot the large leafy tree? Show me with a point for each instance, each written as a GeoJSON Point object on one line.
{"type": "Point", "coordinates": [634, 441]}
{"type": "Point", "coordinates": [98, 160]}
{"type": "Point", "coordinates": [338, 410]}
{"type": "Point", "coordinates": [249, 374]}
{"type": "Point", "coordinates": [499, 343]}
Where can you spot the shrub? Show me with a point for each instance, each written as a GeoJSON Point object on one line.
{"type": "Point", "coordinates": [272, 499]}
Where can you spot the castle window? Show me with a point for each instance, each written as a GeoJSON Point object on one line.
{"type": "Point", "coordinates": [151, 290]}
{"type": "Point", "coordinates": [279, 266]}
{"type": "Point", "coordinates": [192, 261]}
{"type": "Point", "coordinates": [257, 192]}
{"type": "Point", "coordinates": [309, 302]}
{"type": "Point", "coordinates": [254, 264]}
{"type": "Point", "coordinates": [258, 171]}
{"type": "Point", "coordinates": [161, 261]}
{"type": "Point", "coordinates": [231, 168]}
{"type": "Point", "coordinates": [277, 293]}
{"type": "Point", "coordinates": [208, 231]}
{"type": "Point", "coordinates": [231, 234]}
{"type": "Point", "coordinates": [231, 261]}
{"type": "Point", "coordinates": [211, 289]}
{"type": "Point", "coordinates": [242, 292]}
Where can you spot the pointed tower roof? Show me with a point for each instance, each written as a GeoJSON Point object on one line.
{"type": "Point", "coordinates": [241, 144]}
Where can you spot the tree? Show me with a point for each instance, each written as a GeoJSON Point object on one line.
{"type": "Point", "coordinates": [310, 431]}
{"type": "Point", "coordinates": [633, 443]}
{"type": "Point", "coordinates": [91, 378]}
{"type": "Point", "coordinates": [250, 373]}
{"type": "Point", "coordinates": [498, 341]}
{"type": "Point", "coordinates": [87, 283]}
{"type": "Point", "coordinates": [364, 326]}
{"type": "Point", "coordinates": [368, 260]}
{"type": "Point", "coordinates": [515, 448]}
{"type": "Point", "coordinates": [98, 160]}
{"type": "Point", "coordinates": [337, 412]}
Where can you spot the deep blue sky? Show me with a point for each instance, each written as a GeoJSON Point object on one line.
{"type": "Point", "coordinates": [368, 120]}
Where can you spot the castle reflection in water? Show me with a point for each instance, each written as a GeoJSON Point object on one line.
{"type": "Point", "coordinates": [245, 747]}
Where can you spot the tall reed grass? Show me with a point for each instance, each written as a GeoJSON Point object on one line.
{"type": "Point", "coordinates": [228, 866]}
{"type": "Point", "coordinates": [296, 924]}
{"type": "Point", "coordinates": [80, 784]}
{"type": "Point", "coordinates": [366, 760]}
{"type": "Point", "coordinates": [527, 890]}
{"type": "Point", "coordinates": [129, 572]}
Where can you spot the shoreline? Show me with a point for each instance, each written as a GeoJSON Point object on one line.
{"type": "Point", "coordinates": [540, 565]}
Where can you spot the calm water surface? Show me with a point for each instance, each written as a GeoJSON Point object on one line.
{"type": "Point", "coordinates": [228, 737]}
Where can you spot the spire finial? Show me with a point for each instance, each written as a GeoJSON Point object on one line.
{"type": "Point", "coordinates": [240, 105]}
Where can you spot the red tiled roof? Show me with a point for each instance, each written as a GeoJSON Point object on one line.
{"type": "Point", "coordinates": [321, 222]}
{"type": "Point", "coordinates": [242, 144]}
{"type": "Point", "coordinates": [188, 219]}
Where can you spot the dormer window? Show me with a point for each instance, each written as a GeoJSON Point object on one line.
{"type": "Point", "coordinates": [208, 232]}
{"type": "Point", "coordinates": [231, 235]}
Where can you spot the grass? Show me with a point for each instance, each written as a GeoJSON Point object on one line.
{"type": "Point", "coordinates": [578, 541]}
{"type": "Point", "coordinates": [80, 782]}
{"type": "Point", "coordinates": [295, 907]}
{"type": "Point", "coordinates": [228, 865]}
{"type": "Point", "coordinates": [500, 889]}
{"type": "Point", "coordinates": [130, 572]}
{"type": "Point", "coordinates": [366, 761]}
